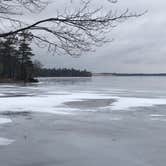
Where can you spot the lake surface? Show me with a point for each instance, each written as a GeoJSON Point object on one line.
{"type": "Point", "coordinates": [84, 121]}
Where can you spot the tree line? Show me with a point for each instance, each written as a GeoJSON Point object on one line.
{"type": "Point", "coordinates": [16, 57]}
{"type": "Point", "coordinates": [44, 72]}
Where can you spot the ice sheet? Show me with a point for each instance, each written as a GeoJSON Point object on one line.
{"type": "Point", "coordinates": [45, 103]}
{"type": "Point", "coordinates": [54, 102]}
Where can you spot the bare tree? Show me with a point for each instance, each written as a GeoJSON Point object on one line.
{"type": "Point", "coordinates": [68, 32]}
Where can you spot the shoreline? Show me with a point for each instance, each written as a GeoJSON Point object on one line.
{"type": "Point", "coordinates": [12, 81]}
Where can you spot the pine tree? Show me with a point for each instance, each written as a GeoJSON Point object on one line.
{"type": "Point", "coordinates": [8, 56]}
{"type": "Point", "coordinates": [25, 55]}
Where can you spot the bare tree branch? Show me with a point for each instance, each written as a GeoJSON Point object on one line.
{"type": "Point", "coordinates": [70, 33]}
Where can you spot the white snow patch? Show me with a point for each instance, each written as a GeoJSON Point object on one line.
{"type": "Point", "coordinates": [54, 103]}
{"type": "Point", "coordinates": [157, 115]}
{"type": "Point", "coordinates": [124, 103]}
{"type": "Point", "coordinates": [5, 141]}
{"type": "Point", "coordinates": [46, 103]}
{"type": "Point", "coordinates": [5, 120]}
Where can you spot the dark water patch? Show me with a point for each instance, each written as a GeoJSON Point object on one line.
{"type": "Point", "coordinates": [90, 103]}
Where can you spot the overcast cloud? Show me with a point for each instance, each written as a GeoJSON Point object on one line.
{"type": "Point", "coordinates": [139, 44]}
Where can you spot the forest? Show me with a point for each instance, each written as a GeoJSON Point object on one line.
{"type": "Point", "coordinates": [16, 58]}
{"type": "Point", "coordinates": [44, 72]}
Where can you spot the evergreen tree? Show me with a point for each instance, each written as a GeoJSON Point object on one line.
{"type": "Point", "coordinates": [25, 55]}
{"type": "Point", "coordinates": [8, 56]}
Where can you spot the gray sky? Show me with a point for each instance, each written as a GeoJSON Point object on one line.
{"type": "Point", "coordinates": [139, 44]}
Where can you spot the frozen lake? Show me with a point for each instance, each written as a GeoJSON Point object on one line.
{"type": "Point", "coordinates": [84, 121]}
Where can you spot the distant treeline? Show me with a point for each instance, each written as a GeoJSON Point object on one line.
{"type": "Point", "coordinates": [139, 74]}
{"type": "Point", "coordinates": [44, 72]}
{"type": "Point", "coordinates": [129, 74]}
